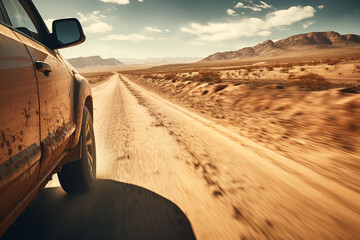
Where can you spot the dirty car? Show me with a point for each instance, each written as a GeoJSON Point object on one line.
{"type": "Point", "coordinates": [46, 110]}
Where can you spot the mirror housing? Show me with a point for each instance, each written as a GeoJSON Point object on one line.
{"type": "Point", "coordinates": [67, 33]}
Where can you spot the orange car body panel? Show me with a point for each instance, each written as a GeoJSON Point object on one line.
{"type": "Point", "coordinates": [40, 119]}
{"type": "Point", "coordinates": [20, 147]}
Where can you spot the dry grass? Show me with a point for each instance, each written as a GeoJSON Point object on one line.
{"type": "Point", "coordinates": [291, 76]}
{"type": "Point", "coordinates": [284, 70]}
{"type": "Point", "coordinates": [220, 87]}
{"type": "Point", "coordinates": [169, 76]}
{"type": "Point", "coordinates": [96, 78]}
{"type": "Point", "coordinates": [208, 76]}
{"type": "Point", "coordinates": [311, 81]}
{"type": "Point", "coordinates": [148, 76]}
{"type": "Point", "coordinates": [294, 120]}
{"type": "Point", "coordinates": [331, 61]}
{"type": "Point", "coordinates": [357, 68]}
{"type": "Point", "coordinates": [338, 71]}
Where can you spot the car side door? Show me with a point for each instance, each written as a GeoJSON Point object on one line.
{"type": "Point", "coordinates": [20, 150]}
{"type": "Point", "coordinates": [55, 83]}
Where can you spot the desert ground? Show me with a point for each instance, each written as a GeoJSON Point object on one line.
{"type": "Point", "coordinates": [243, 150]}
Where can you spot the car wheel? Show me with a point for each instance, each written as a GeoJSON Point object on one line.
{"type": "Point", "coordinates": [80, 176]}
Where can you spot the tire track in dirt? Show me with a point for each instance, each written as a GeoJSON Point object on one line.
{"type": "Point", "coordinates": [267, 201]}
{"type": "Point", "coordinates": [143, 152]}
{"type": "Point", "coordinates": [202, 163]}
{"type": "Point", "coordinates": [229, 188]}
{"type": "Point", "coordinates": [205, 166]}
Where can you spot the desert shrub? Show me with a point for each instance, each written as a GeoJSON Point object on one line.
{"type": "Point", "coordinates": [169, 76]}
{"type": "Point", "coordinates": [302, 69]}
{"type": "Point", "coordinates": [313, 63]}
{"type": "Point", "coordinates": [148, 76]}
{"type": "Point", "coordinates": [284, 70]}
{"type": "Point", "coordinates": [249, 69]}
{"type": "Point", "coordinates": [205, 92]}
{"type": "Point", "coordinates": [289, 65]}
{"type": "Point", "coordinates": [351, 90]}
{"type": "Point", "coordinates": [220, 87]}
{"type": "Point", "coordinates": [332, 61]}
{"type": "Point", "coordinates": [357, 68]}
{"type": "Point", "coordinates": [208, 76]}
{"type": "Point", "coordinates": [311, 81]}
{"type": "Point", "coordinates": [291, 76]}
{"type": "Point", "coordinates": [270, 69]}
{"type": "Point", "coordinates": [186, 79]}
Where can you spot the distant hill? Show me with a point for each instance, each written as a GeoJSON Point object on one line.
{"type": "Point", "coordinates": [92, 61]}
{"type": "Point", "coordinates": [300, 41]}
{"type": "Point", "coordinates": [160, 61]}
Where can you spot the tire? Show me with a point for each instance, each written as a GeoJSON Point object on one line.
{"type": "Point", "coordinates": [80, 176]}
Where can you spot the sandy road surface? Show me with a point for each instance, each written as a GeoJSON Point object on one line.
{"type": "Point", "coordinates": [183, 168]}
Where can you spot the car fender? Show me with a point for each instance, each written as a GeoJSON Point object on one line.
{"type": "Point", "coordinates": [82, 98]}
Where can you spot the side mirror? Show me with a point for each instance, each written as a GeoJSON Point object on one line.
{"type": "Point", "coordinates": [67, 32]}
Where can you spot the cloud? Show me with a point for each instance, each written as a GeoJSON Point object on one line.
{"type": "Point", "coordinates": [120, 2]}
{"type": "Point", "coordinates": [98, 27]}
{"type": "Point", "coordinates": [320, 7]}
{"type": "Point", "coordinates": [248, 27]}
{"type": "Point", "coordinates": [264, 5]}
{"type": "Point", "coordinates": [111, 8]}
{"type": "Point", "coordinates": [167, 30]}
{"type": "Point", "coordinates": [289, 16]}
{"type": "Point", "coordinates": [231, 12]}
{"type": "Point", "coordinates": [141, 0]}
{"type": "Point", "coordinates": [254, 7]}
{"type": "Point", "coordinates": [308, 24]}
{"type": "Point", "coordinates": [93, 22]}
{"type": "Point", "coordinates": [264, 33]}
{"type": "Point", "coordinates": [134, 37]}
{"type": "Point", "coordinates": [153, 29]}
{"type": "Point", "coordinates": [239, 5]}
{"type": "Point", "coordinates": [94, 16]}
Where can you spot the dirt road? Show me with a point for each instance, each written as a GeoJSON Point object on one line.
{"type": "Point", "coordinates": [226, 186]}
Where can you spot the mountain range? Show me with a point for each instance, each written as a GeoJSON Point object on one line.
{"type": "Point", "coordinates": [92, 61]}
{"type": "Point", "coordinates": [160, 61]}
{"type": "Point", "coordinates": [300, 41]}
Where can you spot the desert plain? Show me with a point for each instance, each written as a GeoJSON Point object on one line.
{"type": "Point", "coordinates": [255, 148]}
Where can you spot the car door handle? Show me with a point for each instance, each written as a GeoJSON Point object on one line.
{"type": "Point", "coordinates": [43, 67]}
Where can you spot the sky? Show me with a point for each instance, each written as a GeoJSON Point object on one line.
{"type": "Point", "coordinates": [194, 28]}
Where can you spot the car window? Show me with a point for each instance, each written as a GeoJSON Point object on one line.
{"type": "Point", "coordinates": [2, 17]}
{"type": "Point", "coordinates": [19, 18]}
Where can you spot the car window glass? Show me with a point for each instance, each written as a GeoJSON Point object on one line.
{"type": "Point", "coordinates": [2, 17]}
{"type": "Point", "coordinates": [19, 18]}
